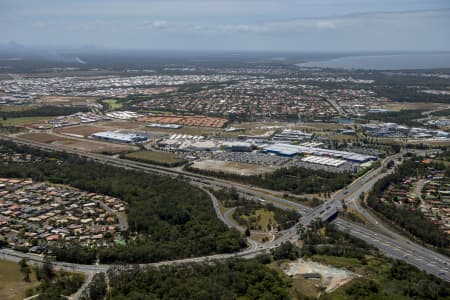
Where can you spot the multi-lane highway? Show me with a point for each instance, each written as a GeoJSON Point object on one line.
{"type": "Point", "coordinates": [401, 249]}
{"type": "Point", "coordinates": [388, 242]}
{"type": "Point", "coordinates": [350, 193]}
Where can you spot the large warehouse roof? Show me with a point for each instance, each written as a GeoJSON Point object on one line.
{"type": "Point", "coordinates": [282, 149]}
{"type": "Point", "coordinates": [333, 162]}
{"type": "Point", "coordinates": [288, 150]}
{"type": "Point", "coordinates": [119, 137]}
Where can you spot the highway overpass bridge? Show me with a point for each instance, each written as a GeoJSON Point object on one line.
{"type": "Point", "coordinates": [389, 243]}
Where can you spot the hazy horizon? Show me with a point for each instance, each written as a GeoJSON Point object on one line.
{"type": "Point", "coordinates": [219, 25]}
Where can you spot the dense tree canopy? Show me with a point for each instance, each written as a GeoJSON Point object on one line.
{"type": "Point", "coordinates": [173, 219]}
{"type": "Point", "coordinates": [42, 111]}
{"type": "Point", "coordinates": [295, 179]}
{"type": "Point", "coordinates": [232, 279]}
{"type": "Point", "coordinates": [407, 117]}
{"type": "Point", "coordinates": [284, 218]}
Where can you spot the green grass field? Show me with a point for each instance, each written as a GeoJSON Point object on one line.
{"type": "Point", "coordinates": [154, 156]}
{"type": "Point", "coordinates": [340, 262]}
{"type": "Point", "coordinates": [9, 108]}
{"type": "Point", "coordinates": [263, 218]}
{"type": "Point", "coordinates": [12, 286]}
{"type": "Point", "coordinates": [112, 103]}
{"type": "Point", "coordinates": [22, 121]}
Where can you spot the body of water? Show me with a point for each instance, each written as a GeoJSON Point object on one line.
{"type": "Point", "coordinates": [386, 62]}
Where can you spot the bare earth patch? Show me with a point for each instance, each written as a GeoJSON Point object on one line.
{"type": "Point", "coordinates": [83, 130]}
{"type": "Point", "coordinates": [243, 169]}
{"type": "Point", "coordinates": [43, 137]}
{"type": "Point", "coordinates": [331, 278]}
{"type": "Point", "coordinates": [79, 144]}
{"type": "Point", "coordinates": [120, 125]}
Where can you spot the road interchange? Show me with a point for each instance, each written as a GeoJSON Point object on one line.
{"type": "Point", "coordinates": [389, 242]}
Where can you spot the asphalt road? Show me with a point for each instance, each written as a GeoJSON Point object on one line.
{"type": "Point", "coordinates": [353, 191]}
{"type": "Point", "coordinates": [388, 241]}
{"type": "Point", "coordinates": [401, 249]}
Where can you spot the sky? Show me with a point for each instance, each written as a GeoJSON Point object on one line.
{"type": "Point", "coordinates": [263, 25]}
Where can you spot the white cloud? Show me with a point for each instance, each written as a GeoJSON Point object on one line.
{"type": "Point", "coordinates": [329, 24]}
{"type": "Point", "coordinates": [245, 28]}
{"type": "Point", "coordinates": [356, 21]}
{"type": "Point", "coordinates": [283, 26]}
{"type": "Point", "coordinates": [157, 24]}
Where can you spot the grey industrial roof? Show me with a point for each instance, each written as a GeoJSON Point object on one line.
{"type": "Point", "coordinates": [292, 149]}
{"type": "Point", "coordinates": [118, 136]}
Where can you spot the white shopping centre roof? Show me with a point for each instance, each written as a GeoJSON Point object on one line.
{"type": "Point", "coordinates": [288, 149]}
{"type": "Point", "coordinates": [118, 136]}
{"type": "Point", "coordinates": [324, 161]}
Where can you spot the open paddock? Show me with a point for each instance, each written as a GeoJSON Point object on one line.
{"type": "Point", "coordinates": [83, 130]}
{"type": "Point", "coordinates": [397, 106]}
{"type": "Point", "coordinates": [99, 147]}
{"type": "Point", "coordinates": [10, 108]}
{"type": "Point", "coordinates": [42, 137]}
{"type": "Point", "coordinates": [24, 121]}
{"type": "Point", "coordinates": [113, 104]}
{"type": "Point", "coordinates": [78, 144]}
{"type": "Point", "coordinates": [154, 156]}
{"type": "Point", "coordinates": [67, 100]}
{"type": "Point", "coordinates": [401, 141]}
{"type": "Point", "coordinates": [12, 285]}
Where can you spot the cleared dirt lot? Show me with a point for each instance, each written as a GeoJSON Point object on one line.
{"type": "Point", "coordinates": [43, 137]}
{"type": "Point", "coordinates": [79, 144]}
{"type": "Point", "coordinates": [67, 100]}
{"type": "Point", "coordinates": [84, 130]}
{"type": "Point", "coordinates": [116, 124]}
{"type": "Point", "coordinates": [331, 278]}
{"type": "Point", "coordinates": [243, 169]}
